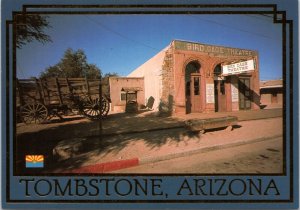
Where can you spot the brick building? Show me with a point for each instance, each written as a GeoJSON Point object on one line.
{"type": "Point", "coordinates": [188, 77]}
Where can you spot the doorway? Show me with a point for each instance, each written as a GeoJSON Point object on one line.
{"type": "Point", "coordinates": [193, 87]}
{"type": "Point", "coordinates": [244, 94]}
{"type": "Point", "coordinates": [220, 97]}
{"type": "Point", "coordinates": [195, 92]}
{"type": "Point", "coordinates": [219, 90]}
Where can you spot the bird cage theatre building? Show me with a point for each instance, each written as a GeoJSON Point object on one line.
{"type": "Point", "coordinates": [188, 77]}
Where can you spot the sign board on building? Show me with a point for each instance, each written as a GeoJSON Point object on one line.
{"type": "Point", "coordinates": [216, 50]}
{"type": "Point", "coordinates": [234, 92]}
{"type": "Point", "coordinates": [237, 68]}
{"type": "Point", "coordinates": [210, 94]}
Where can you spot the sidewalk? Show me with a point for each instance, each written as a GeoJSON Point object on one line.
{"type": "Point", "coordinates": [241, 115]}
{"type": "Point", "coordinates": [165, 138]}
{"type": "Point", "coordinates": [150, 122]}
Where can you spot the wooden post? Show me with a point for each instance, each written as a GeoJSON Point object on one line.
{"type": "Point", "coordinates": [70, 88]}
{"type": "Point", "coordinates": [100, 104]}
{"type": "Point", "coordinates": [87, 86]}
{"type": "Point", "coordinates": [42, 90]}
{"type": "Point", "coordinates": [47, 90]}
{"type": "Point", "coordinates": [58, 91]}
{"type": "Point", "coordinates": [38, 89]}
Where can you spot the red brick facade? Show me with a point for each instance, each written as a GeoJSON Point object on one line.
{"type": "Point", "coordinates": [189, 82]}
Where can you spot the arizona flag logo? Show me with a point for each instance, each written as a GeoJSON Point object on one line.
{"type": "Point", "coordinates": [34, 161]}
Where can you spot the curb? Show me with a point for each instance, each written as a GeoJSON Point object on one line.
{"type": "Point", "coordinates": [106, 167]}
{"type": "Point", "coordinates": [122, 164]}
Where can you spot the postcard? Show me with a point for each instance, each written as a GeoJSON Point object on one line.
{"type": "Point", "coordinates": [150, 104]}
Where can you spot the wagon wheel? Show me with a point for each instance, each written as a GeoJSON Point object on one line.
{"type": "Point", "coordinates": [105, 107]}
{"type": "Point", "coordinates": [34, 113]}
{"type": "Point", "coordinates": [91, 108]}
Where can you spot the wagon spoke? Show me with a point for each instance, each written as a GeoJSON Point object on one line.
{"type": "Point", "coordinates": [26, 115]}
{"type": "Point", "coordinates": [30, 107]}
{"type": "Point", "coordinates": [27, 108]}
{"type": "Point", "coordinates": [92, 112]}
{"type": "Point", "coordinates": [29, 119]}
{"type": "Point", "coordinates": [41, 118]}
{"type": "Point", "coordinates": [41, 108]}
{"type": "Point", "coordinates": [89, 111]}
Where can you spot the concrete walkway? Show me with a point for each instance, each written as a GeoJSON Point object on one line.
{"type": "Point", "coordinates": [158, 140]}
{"type": "Point", "coordinates": [241, 115]}
{"type": "Point", "coordinates": [148, 121]}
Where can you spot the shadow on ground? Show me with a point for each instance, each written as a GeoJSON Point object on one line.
{"type": "Point", "coordinates": [42, 141]}
{"type": "Point", "coordinates": [119, 131]}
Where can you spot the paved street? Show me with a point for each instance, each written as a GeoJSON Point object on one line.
{"type": "Point", "coordinates": [259, 157]}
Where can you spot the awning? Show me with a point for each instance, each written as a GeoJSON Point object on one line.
{"type": "Point", "coordinates": [131, 89]}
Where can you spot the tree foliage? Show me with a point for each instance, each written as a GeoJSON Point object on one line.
{"type": "Point", "coordinates": [105, 83]}
{"type": "Point", "coordinates": [72, 64]}
{"type": "Point", "coordinates": [111, 74]}
{"type": "Point", "coordinates": [31, 27]}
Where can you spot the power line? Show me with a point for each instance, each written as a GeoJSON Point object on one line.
{"type": "Point", "coordinates": [119, 34]}
{"type": "Point", "coordinates": [267, 15]}
{"type": "Point", "coordinates": [260, 17]}
{"type": "Point", "coordinates": [237, 29]}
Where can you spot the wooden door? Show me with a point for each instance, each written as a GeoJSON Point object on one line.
{"type": "Point", "coordinates": [220, 96]}
{"type": "Point", "coordinates": [195, 93]}
{"type": "Point", "coordinates": [244, 94]}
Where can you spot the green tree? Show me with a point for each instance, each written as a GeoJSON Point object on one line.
{"type": "Point", "coordinates": [113, 74]}
{"type": "Point", "coordinates": [73, 64]}
{"type": "Point", "coordinates": [31, 27]}
{"type": "Point", "coordinates": [105, 83]}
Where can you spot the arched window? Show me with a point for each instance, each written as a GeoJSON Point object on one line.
{"type": "Point", "coordinates": [217, 74]}
{"type": "Point", "coordinates": [191, 67]}
{"type": "Point", "coordinates": [217, 70]}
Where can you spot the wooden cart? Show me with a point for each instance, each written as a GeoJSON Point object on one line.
{"type": "Point", "coordinates": [39, 100]}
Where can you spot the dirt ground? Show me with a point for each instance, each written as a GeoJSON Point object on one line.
{"type": "Point", "coordinates": [118, 142]}
{"type": "Point", "coordinates": [259, 157]}
{"type": "Point", "coordinates": [43, 138]}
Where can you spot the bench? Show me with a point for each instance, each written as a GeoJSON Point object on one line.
{"type": "Point", "coordinates": [211, 123]}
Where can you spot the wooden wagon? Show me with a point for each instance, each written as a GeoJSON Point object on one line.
{"type": "Point", "coordinates": [41, 99]}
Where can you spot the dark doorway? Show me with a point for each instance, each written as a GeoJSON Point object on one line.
{"type": "Point", "coordinates": [193, 87]}
{"type": "Point", "coordinates": [244, 94]}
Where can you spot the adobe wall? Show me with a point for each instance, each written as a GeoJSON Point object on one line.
{"type": "Point", "coordinates": [151, 70]}
{"type": "Point", "coordinates": [117, 83]}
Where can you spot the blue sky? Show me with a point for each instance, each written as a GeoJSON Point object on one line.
{"type": "Point", "coordinates": [121, 43]}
